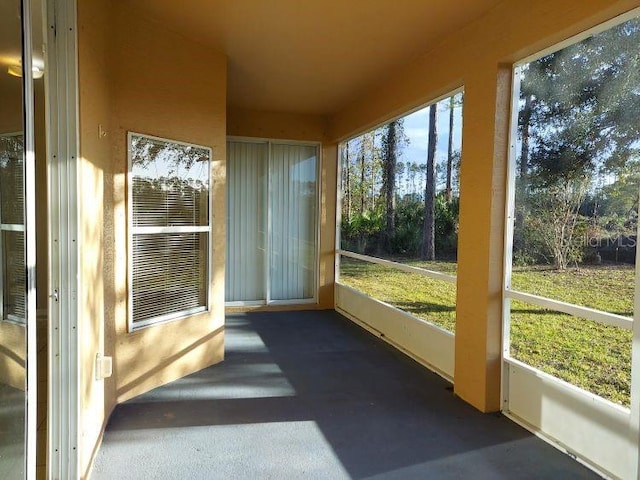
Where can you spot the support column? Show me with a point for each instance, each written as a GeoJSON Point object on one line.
{"type": "Point", "coordinates": [481, 236]}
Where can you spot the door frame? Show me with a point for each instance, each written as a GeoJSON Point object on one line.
{"type": "Point", "coordinates": [268, 301]}
{"type": "Point", "coordinates": [63, 229]}
{"type": "Point", "coordinates": [31, 397]}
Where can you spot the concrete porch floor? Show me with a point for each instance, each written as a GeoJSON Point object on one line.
{"type": "Point", "coordinates": [311, 395]}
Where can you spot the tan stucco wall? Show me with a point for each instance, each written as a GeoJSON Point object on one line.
{"type": "Point", "coordinates": [137, 76]}
{"type": "Point", "coordinates": [310, 128]}
{"type": "Point", "coordinates": [478, 57]}
{"type": "Point", "coordinates": [96, 397]}
{"type": "Point", "coordinates": [168, 86]}
{"type": "Point", "coordinates": [287, 126]}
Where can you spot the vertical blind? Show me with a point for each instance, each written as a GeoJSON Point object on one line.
{"type": "Point", "coordinates": [292, 204]}
{"type": "Point", "coordinates": [271, 221]}
{"type": "Point", "coordinates": [12, 248]}
{"type": "Point", "coordinates": [247, 221]}
{"type": "Point", "coordinates": [170, 229]}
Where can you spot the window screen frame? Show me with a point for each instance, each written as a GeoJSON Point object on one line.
{"type": "Point", "coordinates": [630, 323]}
{"type": "Point", "coordinates": [132, 231]}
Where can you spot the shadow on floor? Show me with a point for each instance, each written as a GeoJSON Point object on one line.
{"type": "Point", "coordinates": [311, 395]}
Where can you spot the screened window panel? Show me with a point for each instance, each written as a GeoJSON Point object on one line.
{"type": "Point", "coordinates": [13, 276]}
{"type": "Point", "coordinates": [170, 229]}
{"type": "Point", "coordinates": [293, 172]}
{"type": "Point", "coordinates": [246, 221]}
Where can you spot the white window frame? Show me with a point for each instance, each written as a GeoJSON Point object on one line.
{"type": "Point", "coordinates": [10, 227]}
{"type": "Point", "coordinates": [132, 230]}
{"type": "Point", "coordinates": [316, 221]}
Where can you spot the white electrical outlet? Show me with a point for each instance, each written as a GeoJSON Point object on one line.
{"type": "Point", "coordinates": [104, 366]}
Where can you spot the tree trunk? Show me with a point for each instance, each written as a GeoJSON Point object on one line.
{"type": "Point", "coordinates": [347, 182]}
{"type": "Point", "coordinates": [525, 119]}
{"type": "Point", "coordinates": [389, 179]}
{"type": "Point", "coordinates": [449, 190]}
{"type": "Point", "coordinates": [428, 241]}
{"type": "Point", "coordinates": [363, 179]}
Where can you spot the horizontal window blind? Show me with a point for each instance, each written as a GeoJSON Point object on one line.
{"type": "Point", "coordinates": [170, 229]}
{"type": "Point", "coordinates": [169, 274]}
{"type": "Point", "coordinates": [13, 276]}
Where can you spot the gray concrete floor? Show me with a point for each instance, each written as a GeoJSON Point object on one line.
{"type": "Point", "coordinates": [310, 395]}
{"type": "Point", "coordinates": [12, 433]}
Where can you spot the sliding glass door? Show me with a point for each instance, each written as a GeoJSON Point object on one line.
{"type": "Point", "coordinates": [272, 203]}
{"type": "Point", "coordinates": [20, 66]}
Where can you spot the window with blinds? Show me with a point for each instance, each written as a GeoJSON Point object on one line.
{"type": "Point", "coordinates": [170, 229]}
{"type": "Point", "coordinates": [12, 264]}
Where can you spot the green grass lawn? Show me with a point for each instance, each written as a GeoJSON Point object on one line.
{"type": "Point", "coordinates": [587, 354]}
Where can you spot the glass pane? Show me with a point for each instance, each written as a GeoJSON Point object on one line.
{"type": "Point", "coordinates": [577, 175]}
{"type": "Point", "coordinates": [12, 227]}
{"type": "Point", "coordinates": [169, 274]}
{"type": "Point", "coordinates": [170, 183]}
{"type": "Point", "coordinates": [246, 221]}
{"type": "Point", "coordinates": [426, 298]}
{"type": "Point", "coordinates": [11, 178]}
{"type": "Point", "coordinates": [587, 354]}
{"type": "Point", "coordinates": [13, 348]}
{"type": "Point", "coordinates": [293, 205]}
{"type": "Point", "coordinates": [399, 187]}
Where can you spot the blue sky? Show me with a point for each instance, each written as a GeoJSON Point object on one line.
{"type": "Point", "coordinates": [416, 128]}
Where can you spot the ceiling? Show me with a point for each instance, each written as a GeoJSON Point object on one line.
{"type": "Point", "coordinates": [312, 56]}
{"type": "Point", "coordinates": [11, 52]}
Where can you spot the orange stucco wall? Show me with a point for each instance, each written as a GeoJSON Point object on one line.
{"type": "Point", "coordinates": [96, 397]}
{"type": "Point", "coordinates": [135, 75]}
{"type": "Point", "coordinates": [478, 57]}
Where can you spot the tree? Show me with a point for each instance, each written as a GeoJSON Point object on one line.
{"type": "Point", "coordinates": [428, 240]}
{"type": "Point", "coordinates": [390, 160]}
{"type": "Point", "coordinates": [12, 179]}
{"type": "Point", "coordinates": [578, 119]}
{"type": "Point", "coordinates": [393, 140]}
{"type": "Point", "coordinates": [451, 152]}
{"type": "Point", "coordinates": [347, 183]}
{"type": "Point", "coordinates": [363, 178]}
